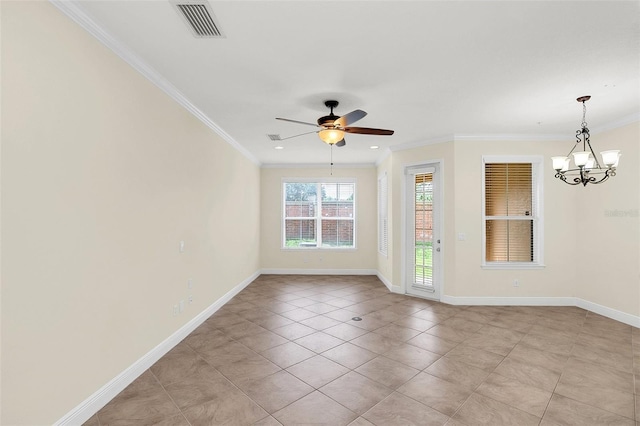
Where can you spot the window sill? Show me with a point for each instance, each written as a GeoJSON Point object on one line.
{"type": "Point", "coordinates": [512, 265]}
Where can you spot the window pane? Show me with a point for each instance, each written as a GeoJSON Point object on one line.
{"type": "Point", "coordinates": [509, 241]}
{"type": "Point", "coordinates": [300, 209]}
{"type": "Point", "coordinates": [424, 263]}
{"type": "Point", "coordinates": [337, 199]}
{"type": "Point", "coordinates": [520, 241]}
{"type": "Point", "coordinates": [300, 233]}
{"type": "Point", "coordinates": [342, 209]}
{"type": "Point", "coordinates": [519, 187]}
{"type": "Point", "coordinates": [329, 209]}
{"type": "Point", "coordinates": [508, 189]}
{"type": "Point", "coordinates": [337, 191]}
{"type": "Point", "coordinates": [299, 191]}
{"type": "Point", "coordinates": [424, 208]}
{"type": "Point", "coordinates": [495, 178]}
{"type": "Point", "coordinates": [337, 233]}
{"type": "Point", "coordinates": [300, 199]}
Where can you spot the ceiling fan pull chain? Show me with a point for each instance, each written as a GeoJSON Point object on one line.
{"type": "Point", "coordinates": [331, 159]}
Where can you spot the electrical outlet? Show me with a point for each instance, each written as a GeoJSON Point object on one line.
{"type": "Point", "coordinates": [190, 283]}
{"type": "Point", "coordinates": [181, 306]}
{"type": "Point", "coordinates": [516, 283]}
{"type": "Point", "coordinates": [181, 247]}
{"type": "Point", "coordinates": [190, 299]}
{"type": "Point", "coordinates": [175, 310]}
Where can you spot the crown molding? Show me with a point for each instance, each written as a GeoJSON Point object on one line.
{"type": "Point", "coordinates": [385, 154]}
{"type": "Point", "coordinates": [317, 166]}
{"type": "Point", "coordinates": [624, 121]}
{"type": "Point", "coordinates": [76, 14]}
{"type": "Point", "coordinates": [432, 141]}
{"type": "Point", "coordinates": [512, 137]}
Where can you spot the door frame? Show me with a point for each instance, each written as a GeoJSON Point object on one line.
{"type": "Point", "coordinates": [438, 262]}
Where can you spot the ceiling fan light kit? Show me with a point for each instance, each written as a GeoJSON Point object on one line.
{"type": "Point", "coordinates": [588, 168]}
{"type": "Point", "coordinates": [333, 127]}
{"type": "Point", "coordinates": [331, 136]}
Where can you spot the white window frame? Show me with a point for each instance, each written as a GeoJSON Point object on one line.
{"type": "Point", "coordinates": [537, 179]}
{"type": "Point", "coordinates": [318, 218]}
{"type": "Point", "coordinates": [383, 214]}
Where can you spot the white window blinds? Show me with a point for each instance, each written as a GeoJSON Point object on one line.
{"type": "Point", "coordinates": [510, 212]}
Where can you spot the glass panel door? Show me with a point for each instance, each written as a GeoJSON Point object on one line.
{"type": "Point", "coordinates": [423, 240]}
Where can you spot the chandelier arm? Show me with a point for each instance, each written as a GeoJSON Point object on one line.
{"type": "Point", "coordinates": [585, 178]}
{"type": "Point", "coordinates": [563, 178]}
{"type": "Point", "coordinates": [585, 131]}
{"type": "Point", "coordinates": [578, 141]}
{"type": "Point", "coordinates": [578, 137]}
{"type": "Point", "coordinates": [604, 178]}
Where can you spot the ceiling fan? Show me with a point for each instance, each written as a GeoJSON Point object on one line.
{"type": "Point", "coordinates": [333, 127]}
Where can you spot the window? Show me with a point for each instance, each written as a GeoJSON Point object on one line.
{"type": "Point", "coordinates": [512, 220]}
{"type": "Point", "coordinates": [319, 214]}
{"type": "Point", "coordinates": [383, 231]}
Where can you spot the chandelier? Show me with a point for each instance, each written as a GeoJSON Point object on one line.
{"type": "Point", "coordinates": [588, 168]}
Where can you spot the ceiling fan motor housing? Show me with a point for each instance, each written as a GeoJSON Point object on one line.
{"type": "Point", "coordinates": [328, 120]}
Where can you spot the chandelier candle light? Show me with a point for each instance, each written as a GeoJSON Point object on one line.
{"type": "Point", "coordinates": [588, 168]}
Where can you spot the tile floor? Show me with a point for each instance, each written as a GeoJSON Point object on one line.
{"type": "Point", "coordinates": [286, 351]}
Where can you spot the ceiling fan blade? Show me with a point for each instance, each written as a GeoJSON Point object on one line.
{"type": "Point", "coordinates": [350, 118]}
{"type": "Point", "coordinates": [296, 121]}
{"type": "Point", "coordinates": [368, 131]}
{"type": "Point", "coordinates": [341, 143]}
{"type": "Point", "coordinates": [301, 134]}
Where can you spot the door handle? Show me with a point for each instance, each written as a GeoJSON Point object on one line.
{"type": "Point", "coordinates": [438, 249]}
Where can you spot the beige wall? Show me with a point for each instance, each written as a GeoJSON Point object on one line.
{"type": "Point", "coordinates": [273, 257]}
{"type": "Point", "coordinates": [558, 276]}
{"type": "Point", "coordinates": [102, 176]}
{"type": "Point", "coordinates": [421, 155]}
{"type": "Point", "coordinates": [608, 228]}
{"type": "Point", "coordinates": [589, 252]}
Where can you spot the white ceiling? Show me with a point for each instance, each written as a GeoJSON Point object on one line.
{"type": "Point", "coordinates": [427, 69]}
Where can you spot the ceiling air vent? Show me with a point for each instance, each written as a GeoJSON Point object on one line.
{"type": "Point", "coordinates": [274, 137]}
{"type": "Point", "coordinates": [200, 18]}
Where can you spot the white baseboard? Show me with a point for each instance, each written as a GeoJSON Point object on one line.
{"type": "Point", "coordinates": [392, 288]}
{"type": "Point", "coordinates": [319, 272]}
{"type": "Point", "coordinates": [385, 281]}
{"type": "Point", "coordinates": [509, 301]}
{"type": "Point", "coordinates": [100, 398]}
{"type": "Point", "coordinates": [622, 317]}
{"type": "Point", "coordinates": [609, 312]}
